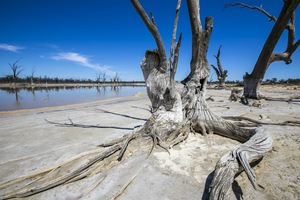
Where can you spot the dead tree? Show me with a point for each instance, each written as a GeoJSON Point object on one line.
{"type": "Point", "coordinates": [286, 20]}
{"type": "Point", "coordinates": [16, 70]}
{"type": "Point", "coordinates": [116, 78]}
{"type": "Point", "coordinates": [104, 77]}
{"type": "Point", "coordinates": [32, 76]}
{"type": "Point", "coordinates": [221, 74]}
{"type": "Point", "coordinates": [178, 108]}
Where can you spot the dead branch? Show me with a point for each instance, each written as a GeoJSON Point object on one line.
{"type": "Point", "coordinates": [216, 70]}
{"type": "Point", "coordinates": [241, 118]}
{"type": "Point", "coordinates": [218, 60]}
{"type": "Point", "coordinates": [221, 74]}
{"type": "Point", "coordinates": [154, 31]}
{"type": "Point", "coordinates": [172, 48]}
{"type": "Point", "coordinates": [175, 61]}
{"type": "Point", "coordinates": [125, 145]}
{"type": "Point", "coordinates": [124, 115]}
{"type": "Point", "coordinates": [291, 44]}
{"type": "Point", "coordinates": [71, 124]}
{"type": "Point", "coordinates": [259, 8]}
{"type": "Point", "coordinates": [291, 99]}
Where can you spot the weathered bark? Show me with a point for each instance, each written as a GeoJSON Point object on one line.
{"type": "Point", "coordinates": [252, 81]}
{"type": "Point", "coordinates": [221, 74]}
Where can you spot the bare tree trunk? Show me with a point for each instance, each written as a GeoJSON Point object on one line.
{"type": "Point", "coordinates": [252, 81]}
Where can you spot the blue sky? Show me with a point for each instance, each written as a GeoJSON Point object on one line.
{"type": "Point", "coordinates": [79, 38]}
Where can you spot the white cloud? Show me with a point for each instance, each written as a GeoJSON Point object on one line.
{"type": "Point", "coordinates": [80, 59]}
{"type": "Point", "coordinates": [8, 47]}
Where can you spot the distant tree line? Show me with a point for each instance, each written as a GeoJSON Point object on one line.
{"type": "Point", "coordinates": [9, 79]}
{"type": "Point", "coordinates": [282, 81]}
{"type": "Point", "coordinates": [17, 69]}
{"type": "Point", "coordinates": [42, 80]}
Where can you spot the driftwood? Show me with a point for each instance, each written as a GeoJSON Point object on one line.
{"type": "Point", "coordinates": [237, 94]}
{"type": "Point", "coordinates": [243, 118]}
{"type": "Point", "coordinates": [290, 99]}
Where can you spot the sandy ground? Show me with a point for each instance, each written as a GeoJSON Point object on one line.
{"type": "Point", "coordinates": [28, 144]}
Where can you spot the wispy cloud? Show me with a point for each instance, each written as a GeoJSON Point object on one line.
{"type": "Point", "coordinates": [79, 59]}
{"type": "Point", "coordinates": [8, 47]}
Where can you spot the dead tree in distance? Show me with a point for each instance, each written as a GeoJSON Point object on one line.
{"type": "Point", "coordinates": [286, 20]}
{"type": "Point", "coordinates": [16, 70]}
{"type": "Point", "coordinates": [221, 74]}
{"type": "Point", "coordinates": [178, 109]}
{"type": "Point", "coordinates": [32, 76]}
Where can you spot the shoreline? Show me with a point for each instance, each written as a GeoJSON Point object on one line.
{"type": "Point", "coordinates": [70, 106]}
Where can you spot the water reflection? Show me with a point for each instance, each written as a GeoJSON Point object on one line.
{"type": "Point", "coordinates": [35, 97]}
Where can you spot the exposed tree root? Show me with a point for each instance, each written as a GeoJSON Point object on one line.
{"type": "Point", "coordinates": [291, 99]}
{"type": "Point", "coordinates": [75, 169]}
{"type": "Point", "coordinates": [256, 142]}
{"type": "Point", "coordinates": [125, 145]}
{"type": "Point", "coordinates": [238, 160]}
{"type": "Point", "coordinates": [157, 141]}
{"type": "Point", "coordinates": [94, 186]}
{"type": "Point", "coordinates": [124, 187]}
{"type": "Point", "coordinates": [183, 136]}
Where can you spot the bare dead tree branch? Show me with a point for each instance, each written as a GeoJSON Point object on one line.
{"type": "Point", "coordinates": [221, 74]}
{"type": "Point", "coordinates": [216, 70]}
{"type": "Point", "coordinates": [71, 124]}
{"type": "Point", "coordinates": [259, 8]}
{"type": "Point", "coordinates": [176, 56]}
{"type": "Point", "coordinates": [174, 33]}
{"type": "Point", "coordinates": [285, 123]}
{"type": "Point", "coordinates": [154, 31]}
{"type": "Point", "coordinates": [291, 45]}
{"type": "Point", "coordinates": [152, 18]}
{"type": "Point", "coordinates": [218, 59]}
{"type": "Point", "coordinates": [16, 69]}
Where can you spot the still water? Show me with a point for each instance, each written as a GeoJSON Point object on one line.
{"type": "Point", "coordinates": [26, 98]}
